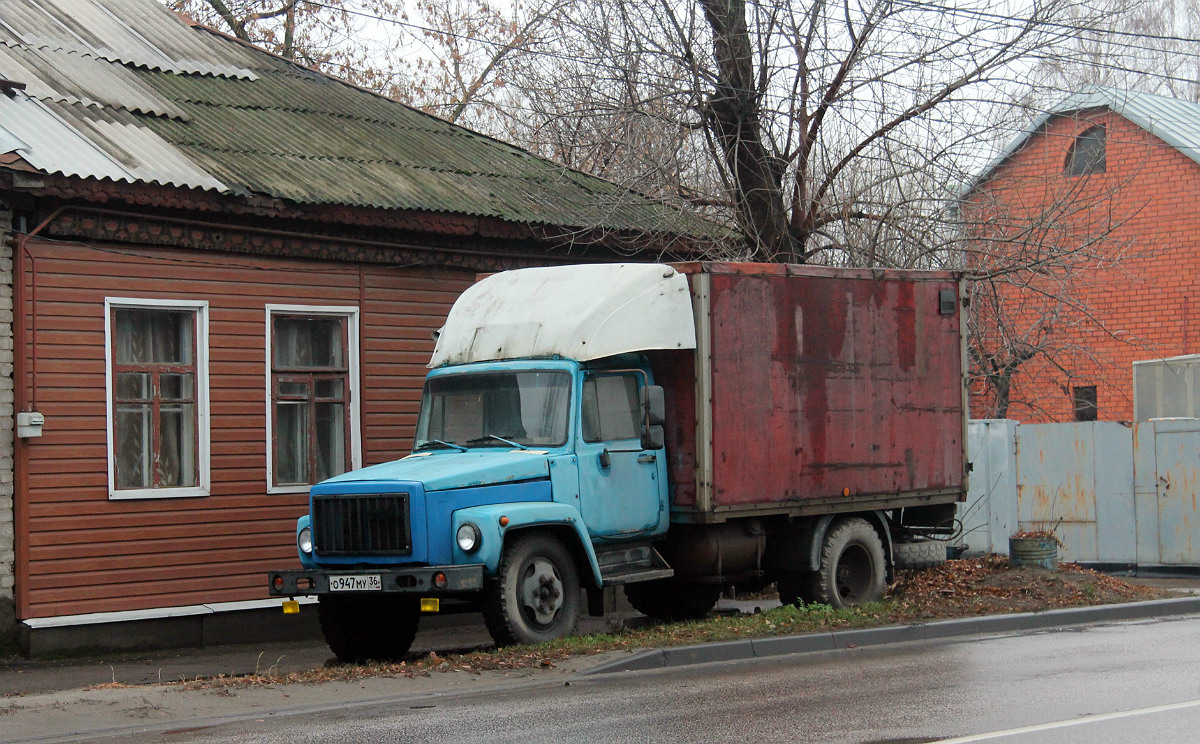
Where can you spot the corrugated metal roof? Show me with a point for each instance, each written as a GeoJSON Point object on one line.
{"type": "Point", "coordinates": [95, 142]}
{"type": "Point", "coordinates": [71, 77]}
{"type": "Point", "coordinates": [138, 96]}
{"type": "Point", "coordinates": [126, 31]}
{"type": "Point", "coordinates": [1174, 120]}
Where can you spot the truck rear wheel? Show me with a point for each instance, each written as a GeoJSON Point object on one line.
{"type": "Point", "coordinates": [673, 599]}
{"type": "Point", "coordinates": [535, 595]}
{"type": "Point", "coordinates": [359, 628]}
{"type": "Point", "coordinates": [853, 568]}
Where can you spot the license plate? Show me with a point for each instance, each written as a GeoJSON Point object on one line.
{"type": "Point", "coordinates": [364, 583]}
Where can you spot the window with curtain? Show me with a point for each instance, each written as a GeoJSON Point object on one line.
{"type": "Point", "coordinates": [155, 405]}
{"type": "Point", "coordinates": [310, 398]}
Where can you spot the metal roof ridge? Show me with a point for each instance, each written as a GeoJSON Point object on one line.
{"type": "Point", "coordinates": [1118, 100]}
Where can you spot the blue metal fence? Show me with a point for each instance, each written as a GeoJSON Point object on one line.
{"type": "Point", "coordinates": [1114, 493]}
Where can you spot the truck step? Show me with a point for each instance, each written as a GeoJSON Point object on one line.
{"type": "Point", "coordinates": [627, 564]}
{"type": "Point", "coordinates": [631, 577]}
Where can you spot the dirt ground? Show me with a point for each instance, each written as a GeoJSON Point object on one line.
{"type": "Point", "coordinates": [989, 585]}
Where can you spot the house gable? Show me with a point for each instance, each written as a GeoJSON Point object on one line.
{"type": "Point", "coordinates": [1116, 280]}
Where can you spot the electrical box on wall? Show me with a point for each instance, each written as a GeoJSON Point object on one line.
{"type": "Point", "coordinates": [29, 424]}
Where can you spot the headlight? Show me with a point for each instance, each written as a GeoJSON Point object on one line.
{"type": "Point", "coordinates": [468, 537]}
{"type": "Point", "coordinates": [304, 541]}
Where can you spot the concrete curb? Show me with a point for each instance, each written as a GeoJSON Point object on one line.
{"type": "Point", "coordinates": [942, 629]}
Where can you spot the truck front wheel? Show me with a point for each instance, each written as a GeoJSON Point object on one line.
{"type": "Point", "coordinates": [852, 568]}
{"type": "Point", "coordinates": [358, 628]}
{"type": "Point", "coordinates": [535, 595]}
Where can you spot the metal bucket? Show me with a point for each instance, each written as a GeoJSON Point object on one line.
{"type": "Point", "coordinates": [1041, 552]}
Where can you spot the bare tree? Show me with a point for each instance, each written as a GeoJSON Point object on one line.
{"type": "Point", "coordinates": [1036, 249]}
{"type": "Point", "coordinates": [819, 132]}
{"type": "Point", "coordinates": [831, 133]}
{"type": "Point", "coordinates": [329, 35]}
{"type": "Point", "coordinates": [468, 53]}
{"type": "Point", "coordinates": [1145, 45]}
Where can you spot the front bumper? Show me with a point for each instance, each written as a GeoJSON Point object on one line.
{"type": "Point", "coordinates": [417, 580]}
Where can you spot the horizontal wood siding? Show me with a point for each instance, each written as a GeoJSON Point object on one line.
{"type": "Point", "coordinates": [85, 553]}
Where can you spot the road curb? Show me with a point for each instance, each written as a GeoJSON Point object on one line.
{"type": "Point", "coordinates": [663, 658]}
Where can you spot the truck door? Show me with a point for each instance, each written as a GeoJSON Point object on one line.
{"type": "Point", "coordinates": [622, 487]}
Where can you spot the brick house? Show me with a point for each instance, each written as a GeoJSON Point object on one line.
{"type": "Point", "coordinates": [1116, 175]}
{"type": "Point", "coordinates": [220, 276]}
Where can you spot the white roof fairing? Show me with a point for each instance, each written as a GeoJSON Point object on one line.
{"type": "Point", "coordinates": [581, 312]}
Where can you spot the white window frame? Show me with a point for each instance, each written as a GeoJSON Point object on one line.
{"type": "Point", "coordinates": [203, 487]}
{"type": "Point", "coordinates": [350, 313]}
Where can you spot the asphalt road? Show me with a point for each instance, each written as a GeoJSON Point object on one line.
{"type": "Point", "coordinates": [1127, 682]}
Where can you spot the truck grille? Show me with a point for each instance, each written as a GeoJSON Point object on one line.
{"type": "Point", "coordinates": [375, 524]}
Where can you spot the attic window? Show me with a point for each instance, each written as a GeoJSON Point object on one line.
{"type": "Point", "coordinates": [1087, 155]}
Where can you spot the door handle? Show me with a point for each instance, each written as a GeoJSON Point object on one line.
{"type": "Point", "coordinates": [647, 458]}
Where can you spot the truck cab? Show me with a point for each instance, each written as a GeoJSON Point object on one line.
{"type": "Point", "coordinates": [530, 476]}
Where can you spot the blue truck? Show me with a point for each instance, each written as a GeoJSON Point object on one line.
{"type": "Point", "coordinates": [673, 430]}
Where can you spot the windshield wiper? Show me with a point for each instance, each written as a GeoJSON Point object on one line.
{"type": "Point", "coordinates": [437, 443]}
{"type": "Point", "coordinates": [491, 437]}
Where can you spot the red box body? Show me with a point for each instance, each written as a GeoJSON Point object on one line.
{"type": "Point", "coordinates": [814, 388]}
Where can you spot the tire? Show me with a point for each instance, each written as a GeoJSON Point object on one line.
{"type": "Point", "coordinates": [359, 628]}
{"type": "Point", "coordinates": [853, 567]}
{"type": "Point", "coordinates": [535, 595]}
{"type": "Point", "coordinates": [673, 599]}
{"type": "Point", "coordinates": [918, 554]}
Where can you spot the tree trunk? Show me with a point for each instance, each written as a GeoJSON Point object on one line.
{"type": "Point", "coordinates": [734, 119]}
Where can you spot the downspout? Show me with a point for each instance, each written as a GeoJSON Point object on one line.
{"type": "Point", "coordinates": [21, 255]}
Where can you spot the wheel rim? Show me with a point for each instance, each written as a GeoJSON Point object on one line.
{"type": "Point", "coordinates": [540, 592]}
{"type": "Point", "coordinates": [852, 578]}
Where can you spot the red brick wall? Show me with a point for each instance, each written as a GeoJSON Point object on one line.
{"type": "Point", "coordinates": [1140, 305]}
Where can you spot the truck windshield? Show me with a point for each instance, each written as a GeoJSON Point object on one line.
{"type": "Point", "coordinates": [495, 409]}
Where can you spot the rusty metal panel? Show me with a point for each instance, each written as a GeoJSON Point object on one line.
{"type": "Point", "coordinates": [1145, 494]}
{"type": "Point", "coordinates": [1077, 479]}
{"type": "Point", "coordinates": [1116, 534]}
{"type": "Point", "coordinates": [990, 514]}
{"type": "Point", "coordinates": [1177, 481]}
{"type": "Point", "coordinates": [831, 383]}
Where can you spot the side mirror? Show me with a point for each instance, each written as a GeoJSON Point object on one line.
{"type": "Point", "coordinates": [654, 405]}
{"type": "Point", "coordinates": [653, 438]}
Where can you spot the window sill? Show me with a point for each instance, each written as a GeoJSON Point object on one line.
{"type": "Point", "coordinates": [157, 493]}
{"type": "Point", "coordinates": [288, 489]}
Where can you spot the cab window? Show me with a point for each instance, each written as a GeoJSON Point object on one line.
{"type": "Point", "coordinates": [611, 409]}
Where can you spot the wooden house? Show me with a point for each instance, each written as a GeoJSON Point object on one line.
{"type": "Point", "coordinates": [221, 272]}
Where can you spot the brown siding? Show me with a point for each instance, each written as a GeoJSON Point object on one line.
{"type": "Point", "coordinates": [86, 553]}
